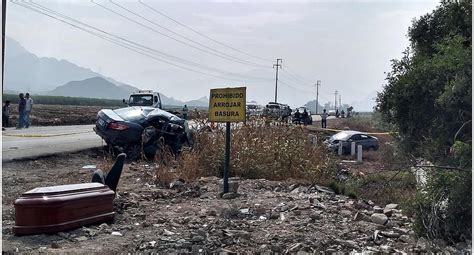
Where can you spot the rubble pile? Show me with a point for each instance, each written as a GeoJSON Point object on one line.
{"type": "Point", "coordinates": [262, 216]}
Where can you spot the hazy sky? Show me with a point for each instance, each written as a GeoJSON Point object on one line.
{"type": "Point", "coordinates": [345, 44]}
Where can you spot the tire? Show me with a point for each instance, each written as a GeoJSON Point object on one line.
{"type": "Point", "coordinates": [134, 151]}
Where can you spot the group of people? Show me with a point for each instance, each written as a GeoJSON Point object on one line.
{"type": "Point", "coordinates": [341, 114]}
{"type": "Point", "coordinates": [301, 117]}
{"type": "Point", "coordinates": [25, 105]}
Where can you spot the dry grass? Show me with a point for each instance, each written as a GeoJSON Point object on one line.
{"type": "Point", "coordinates": [257, 151]}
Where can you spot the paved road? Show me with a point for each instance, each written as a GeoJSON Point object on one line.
{"type": "Point", "coordinates": [42, 141]}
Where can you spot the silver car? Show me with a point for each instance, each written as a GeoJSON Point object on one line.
{"type": "Point", "coordinates": [368, 142]}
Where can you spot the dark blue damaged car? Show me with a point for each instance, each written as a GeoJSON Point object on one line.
{"type": "Point", "coordinates": [141, 129]}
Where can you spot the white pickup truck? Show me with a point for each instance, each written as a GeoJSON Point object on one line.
{"type": "Point", "coordinates": [144, 98]}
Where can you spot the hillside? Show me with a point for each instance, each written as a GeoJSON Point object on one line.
{"type": "Point", "coordinates": [96, 87]}
{"type": "Point", "coordinates": [43, 74]}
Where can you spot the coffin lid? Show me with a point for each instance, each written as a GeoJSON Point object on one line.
{"type": "Point", "coordinates": [65, 189]}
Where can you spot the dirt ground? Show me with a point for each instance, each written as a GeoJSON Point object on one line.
{"type": "Point", "coordinates": [268, 216]}
{"type": "Point", "coordinates": [56, 115]}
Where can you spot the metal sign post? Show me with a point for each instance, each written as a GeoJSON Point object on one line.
{"type": "Point", "coordinates": [227, 105]}
{"type": "Point", "coordinates": [227, 157]}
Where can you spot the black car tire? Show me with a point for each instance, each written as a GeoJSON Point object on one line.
{"type": "Point", "coordinates": [134, 151]}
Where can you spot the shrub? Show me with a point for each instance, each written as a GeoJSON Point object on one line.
{"type": "Point", "coordinates": [257, 151]}
{"type": "Point", "coordinates": [445, 204]}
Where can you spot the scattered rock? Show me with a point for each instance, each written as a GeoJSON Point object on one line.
{"type": "Point", "coordinates": [390, 234]}
{"type": "Point", "coordinates": [81, 238]}
{"type": "Point", "coordinates": [346, 213]}
{"type": "Point", "coordinates": [404, 238]}
{"type": "Point", "coordinates": [391, 206]}
{"type": "Point", "coordinates": [388, 212]}
{"type": "Point", "coordinates": [276, 248]}
{"type": "Point", "coordinates": [295, 247]}
{"type": "Point", "coordinates": [378, 209]}
{"type": "Point", "coordinates": [324, 189]}
{"type": "Point", "coordinates": [245, 211]}
{"type": "Point", "coordinates": [379, 218]}
{"type": "Point", "coordinates": [178, 184]}
{"type": "Point", "coordinates": [230, 195]}
{"type": "Point", "coordinates": [274, 215]}
{"type": "Point", "coordinates": [197, 239]}
{"type": "Point", "coordinates": [360, 216]}
{"type": "Point", "coordinates": [63, 235]}
{"type": "Point", "coordinates": [167, 232]}
{"type": "Point", "coordinates": [115, 233]}
{"type": "Point", "coordinates": [55, 245]}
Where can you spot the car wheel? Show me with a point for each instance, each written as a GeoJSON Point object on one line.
{"type": "Point", "coordinates": [134, 151]}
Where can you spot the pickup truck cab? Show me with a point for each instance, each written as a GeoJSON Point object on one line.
{"type": "Point", "coordinates": [144, 98]}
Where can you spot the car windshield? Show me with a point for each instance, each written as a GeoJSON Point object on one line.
{"type": "Point", "coordinates": [141, 100]}
{"type": "Point", "coordinates": [341, 136]}
{"type": "Point", "coordinates": [250, 106]}
{"type": "Point", "coordinates": [130, 113]}
{"type": "Point", "coordinates": [272, 106]}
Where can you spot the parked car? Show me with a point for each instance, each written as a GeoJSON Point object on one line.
{"type": "Point", "coordinates": [331, 113]}
{"type": "Point", "coordinates": [132, 128]}
{"type": "Point", "coordinates": [277, 110]}
{"type": "Point", "coordinates": [368, 142]}
{"type": "Point", "coordinates": [254, 109]}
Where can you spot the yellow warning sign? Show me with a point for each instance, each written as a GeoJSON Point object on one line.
{"type": "Point", "coordinates": [227, 105]}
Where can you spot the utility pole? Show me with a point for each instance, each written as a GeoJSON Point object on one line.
{"type": "Point", "coordinates": [276, 79]}
{"type": "Point", "coordinates": [318, 83]}
{"type": "Point", "coordinates": [4, 20]}
{"type": "Point", "coordinates": [340, 101]}
{"type": "Point", "coordinates": [335, 100]}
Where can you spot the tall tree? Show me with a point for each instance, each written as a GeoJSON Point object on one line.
{"type": "Point", "coordinates": [428, 99]}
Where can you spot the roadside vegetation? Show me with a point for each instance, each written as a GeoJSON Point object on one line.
{"type": "Point", "coordinates": [427, 99]}
{"type": "Point", "coordinates": [271, 152]}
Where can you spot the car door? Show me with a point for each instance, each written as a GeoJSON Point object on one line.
{"type": "Point", "coordinates": [364, 141]}
{"type": "Point", "coordinates": [354, 138]}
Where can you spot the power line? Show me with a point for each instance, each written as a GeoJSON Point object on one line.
{"type": "Point", "coordinates": [296, 79]}
{"type": "Point", "coordinates": [201, 34]}
{"type": "Point", "coordinates": [297, 75]}
{"type": "Point", "coordinates": [145, 48]}
{"type": "Point", "coordinates": [127, 44]}
{"type": "Point", "coordinates": [209, 51]}
{"type": "Point", "coordinates": [293, 87]}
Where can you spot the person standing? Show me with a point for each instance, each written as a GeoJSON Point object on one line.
{"type": "Point", "coordinates": [305, 117]}
{"type": "Point", "coordinates": [324, 116]}
{"type": "Point", "coordinates": [297, 116]}
{"type": "Point", "coordinates": [185, 112]}
{"type": "Point", "coordinates": [6, 110]}
{"type": "Point", "coordinates": [21, 111]}
{"type": "Point", "coordinates": [28, 108]}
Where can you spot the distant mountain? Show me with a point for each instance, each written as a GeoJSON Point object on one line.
{"type": "Point", "coordinates": [26, 72]}
{"type": "Point", "coordinates": [201, 102]}
{"type": "Point", "coordinates": [366, 104]}
{"type": "Point", "coordinates": [96, 87]}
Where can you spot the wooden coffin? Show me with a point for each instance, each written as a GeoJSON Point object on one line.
{"type": "Point", "coordinates": [59, 208]}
